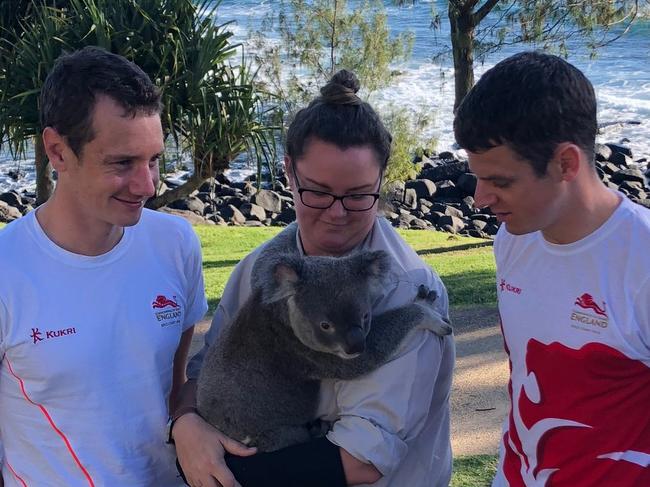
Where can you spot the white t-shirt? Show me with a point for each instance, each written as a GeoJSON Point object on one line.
{"type": "Point", "coordinates": [87, 347]}
{"type": "Point", "coordinates": [396, 417]}
{"type": "Point", "coordinates": [576, 323]}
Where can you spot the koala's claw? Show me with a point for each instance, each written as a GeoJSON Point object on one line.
{"type": "Point", "coordinates": [427, 294]}
{"type": "Point", "coordinates": [435, 323]}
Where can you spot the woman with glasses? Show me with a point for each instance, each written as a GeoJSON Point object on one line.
{"type": "Point", "coordinates": [390, 427]}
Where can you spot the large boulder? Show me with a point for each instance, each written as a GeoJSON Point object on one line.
{"type": "Point", "coordinates": [231, 214]}
{"type": "Point", "coordinates": [621, 149]}
{"type": "Point", "coordinates": [410, 198]}
{"type": "Point", "coordinates": [602, 152]}
{"type": "Point", "coordinates": [453, 211]}
{"type": "Point", "coordinates": [192, 203]}
{"type": "Point", "coordinates": [210, 185]}
{"type": "Point", "coordinates": [629, 174]}
{"type": "Point", "coordinates": [451, 222]}
{"type": "Point", "coordinates": [227, 191]}
{"type": "Point", "coordinates": [620, 159]}
{"type": "Point", "coordinates": [447, 171]}
{"type": "Point", "coordinates": [8, 213]}
{"type": "Point", "coordinates": [448, 189]}
{"type": "Point", "coordinates": [419, 224]}
{"type": "Point", "coordinates": [269, 200]}
{"type": "Point", "coordinates": [12, 199]}
{"type": "Point", "coordinates": [467, 183]}
{"type": "Point", "coordinates": [190, 216]}
{"type": "Point", "coordinates": [253, 212]}
{"type": "Point", "coordinates": [424, 188]}
{"type": "Point", "coordinates": [285, 217]}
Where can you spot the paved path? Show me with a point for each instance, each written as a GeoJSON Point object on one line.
{"type": "Point", "coordinates": [479, 396]}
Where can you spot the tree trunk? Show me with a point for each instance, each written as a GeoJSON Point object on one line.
{"type": "Point", "coordinates": [177, 193]}
{"type": "Point", "coordinates": [462, 43]}
{"type": "Point", "coordinates": [205, 167]}
{"type": "Point", "coordinates": [44, 182]}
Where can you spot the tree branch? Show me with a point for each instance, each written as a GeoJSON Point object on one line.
{"type": "Point", "coordinates": [485, 9]}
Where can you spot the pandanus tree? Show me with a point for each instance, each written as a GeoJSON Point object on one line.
{"type": "Point", "coordinates": [211, 108]}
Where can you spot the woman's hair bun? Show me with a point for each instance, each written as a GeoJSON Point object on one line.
{"type": "Point", "coordinates": [342, 89]}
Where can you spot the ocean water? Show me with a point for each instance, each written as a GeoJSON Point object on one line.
{"type": "Point", "coordinates": [620, 73]}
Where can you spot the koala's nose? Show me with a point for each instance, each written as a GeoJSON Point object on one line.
{"type": "Point", "coordinates": [355, 340]}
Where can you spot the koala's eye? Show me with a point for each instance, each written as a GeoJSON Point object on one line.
{"type": "Point", "coordinates": [366, 318]}
{"type": "Point", "coordinates": [325, 326]}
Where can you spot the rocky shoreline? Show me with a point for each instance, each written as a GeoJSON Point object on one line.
{"type": "Point", "coordinates": [441, 198]}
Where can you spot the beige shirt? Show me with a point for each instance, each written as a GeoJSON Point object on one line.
{"type": "Point", "coordinates": [397, 417]}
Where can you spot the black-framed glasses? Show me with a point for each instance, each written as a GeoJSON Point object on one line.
{"type": "Point", "coordinates": [321, 200]}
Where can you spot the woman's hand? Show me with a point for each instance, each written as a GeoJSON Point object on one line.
{"type": "Point", "coordinates": [201, 448]}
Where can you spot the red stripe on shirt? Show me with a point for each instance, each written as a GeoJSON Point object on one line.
{"type": "Point", "coordinates": [15, 474]}
{"type": "Point", "coordinates": [49, 419]}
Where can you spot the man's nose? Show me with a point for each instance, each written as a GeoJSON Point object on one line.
{"type": "Point", "coordinates": [483, 196]}
{"type": "Point", "coordinates": [144, 181]}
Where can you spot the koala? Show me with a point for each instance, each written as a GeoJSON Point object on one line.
{"type": "Point", "coordinates": [308, 319]}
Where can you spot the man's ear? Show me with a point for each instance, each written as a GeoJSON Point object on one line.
{"type": "Point", "coordinates": [57, 149]}
{"type": "Point", "coordinates": [288, 169]}
{"type": "Point", "coordinates": [567, 162]}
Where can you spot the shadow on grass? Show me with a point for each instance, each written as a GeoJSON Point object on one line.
{"type": "Point", "coordinates": [219, 264]}
{"type": "Point", "coordinates": [455, 248]}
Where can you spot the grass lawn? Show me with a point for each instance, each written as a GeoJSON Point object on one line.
{"type": "Point", "coordinates": [466, 265]}
{"type": "Point", "coordinates": [474, 471]}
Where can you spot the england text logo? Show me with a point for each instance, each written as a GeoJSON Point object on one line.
{"type": "Point", "coordinates": [167, 311]}
{"type": "Point", "coordinates": [591, 313]}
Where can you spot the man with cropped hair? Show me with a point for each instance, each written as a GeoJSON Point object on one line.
{"type": "Point", "coordinates": [98, 297]}
{"type": "Point", "coordinates": [573, 279]}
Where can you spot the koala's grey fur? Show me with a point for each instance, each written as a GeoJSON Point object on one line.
{"type": "Point", "coordinates": [260, 381]}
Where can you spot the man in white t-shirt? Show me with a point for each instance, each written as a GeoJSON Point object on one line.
{"type": "Point", "coordinates": [573, 279]}
{"type": "Point", "coordinates": [98, 297]}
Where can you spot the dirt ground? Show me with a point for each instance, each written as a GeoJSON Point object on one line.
{"type": "Point", "coordinates": [479, 399]}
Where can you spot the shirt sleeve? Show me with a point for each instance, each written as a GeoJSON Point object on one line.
{"type": "Point", "coordinates": [237, 290]}
{"type": "Point", "coordinates": [642, 313]}
{"type": "Point", "coordinates": [4, 323]}
{"type": "Point", "coordinates": [380, 412]}
{"type": "Point", "coordinates": [197, 304]}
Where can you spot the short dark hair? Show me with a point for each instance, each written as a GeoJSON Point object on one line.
{"type": "Point", "coordinates": [70, 91]}
{"type": "Point", "coordinates": [530, 102]}
{"type": "Point", "coordinates": [340, 117]}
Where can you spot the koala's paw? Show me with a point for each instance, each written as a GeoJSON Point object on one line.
{"type": "Point", "coordinates": [431, 319]}
{"type": "Point", "coordinates": [426, 294]}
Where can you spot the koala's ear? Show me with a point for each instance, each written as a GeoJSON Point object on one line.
{"type": "Point", "coordinates": [375, 264]}
{"type": "Point", "coordinates": [285, 274]}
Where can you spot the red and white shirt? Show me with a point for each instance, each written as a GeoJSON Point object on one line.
{"type": "Point", "coordinates": [576, 325]}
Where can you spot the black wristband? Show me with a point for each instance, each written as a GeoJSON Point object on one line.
{"type": "Point", "coordinates": [313, 464]}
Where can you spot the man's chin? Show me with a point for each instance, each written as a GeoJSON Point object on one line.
{"type": "Point", "coordinates": [514, 229]}
{"type": "Point", "coordinates": [129, 220]}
